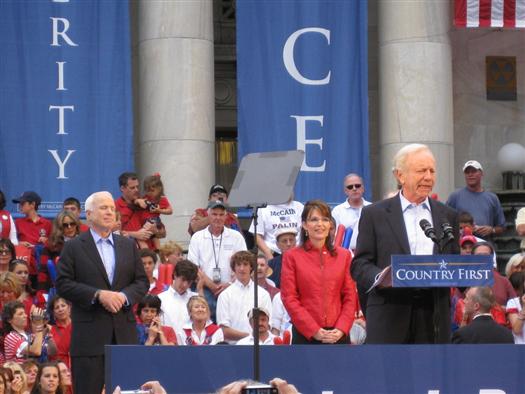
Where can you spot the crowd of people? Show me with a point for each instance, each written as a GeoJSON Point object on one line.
{"type": "Point", "coordinates": [63, 280]}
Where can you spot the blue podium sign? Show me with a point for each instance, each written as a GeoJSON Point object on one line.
{"type": "Point", "coordinates": [441, 271]}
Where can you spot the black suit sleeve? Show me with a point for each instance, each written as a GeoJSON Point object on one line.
{"type": "Point", "coordinates": [138, 284]}
{"type": "Point", "coordinates": [81, 294]}
{"type": "Point", "coordinates": [364, 267]}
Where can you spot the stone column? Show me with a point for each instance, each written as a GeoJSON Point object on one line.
{"type": "Point", "coordinates": [415, 86]}
{"type": "Point", "coordinates": [174, 102]}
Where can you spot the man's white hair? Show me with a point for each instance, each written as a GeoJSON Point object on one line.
{"type": "Point", "coordinates": [92, 199]}
{"type": "Point", "coordinates": [401, 156]}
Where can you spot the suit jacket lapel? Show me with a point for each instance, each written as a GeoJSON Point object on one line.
{"type": "Point", "coordinates": [394, 217]}
{"type": "Point", "coordinates": [119, 265]}
{"type": "Point", "coordinates": [92, 252]}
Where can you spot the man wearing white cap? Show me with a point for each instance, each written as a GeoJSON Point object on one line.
{"type": "Point", "coordinates": [484, 206]}
{"type": "Point", "coordinates": [265, 336]}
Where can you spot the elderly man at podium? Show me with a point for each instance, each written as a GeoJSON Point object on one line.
{"type": "Point", "coordinates": [391, 227]}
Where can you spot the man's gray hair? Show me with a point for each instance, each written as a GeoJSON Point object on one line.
{"type": "Point", "coordinates": [351, 175]}
{"type": "Point", "coordinates": [402, 154]}
{"type": "Point", "coordinates": [90, 201]}
{"type": "Point", "coordinates": [484, 296]}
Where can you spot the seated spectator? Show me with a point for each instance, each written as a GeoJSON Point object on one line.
{"type": "Point", "coordinates": [467, 241]}
{"type": "Point", "coordinates": [19, 344]}
{"type": "Point", "coordinates": [65, 376]}
{"type": "Point", "coordinates": [149, 259]}
{"type": "Point", "coordinates": [32, 229]}
{"type": "Point", "coordinates": [66, 226]}
{"type": "Point", "coordinates": [28, 296]}
{"type": "Point", "coordinates": [10, 288]}
{"type": "Point", "coordinates": [48, 380]}
{"type": "Point", "coordinates": [19, 382]}
{"type": "Point", "coordinates": [515, 264]}
{"type": "Point", "coordinates": [200, 219]}
{"type": "Point", "coordinates": [502, 288]}
{"type": "Point", "coordinates": [236, 301]}
{"type": "Point", "coordinates": [61, 331]}
{"type": "Point", "coordinates": [272, 218]}
{"type": "Point", "coordinates": [210, 249]}
{"type": "Point", "coordinates": [7, 253]}
{"type": "Point", "coordinates": [175, 299]}
{"type": "Point", "coordinates": [7, 377]}
{"type": "Point", "coordinates": [72, 205]}
{"type": "Point", "coordinates": [171, 253]}
{"type": "Point", "coordinates": [517, 280]}
{"type": "Point", "coordinates": [265, 336]}
{"type": "Point", "coordinates": [30, 368]}
{"type": "Point", "coordinates": [149, 329]}
{"type": "Point", "coordinates": [201, 330]}
{"type": "Point", "coordinates": [516, 313]}
{"type": "Point", "coordinates": [286, 239]}
{"type": "Point", "coordinates": [482, 329]}
{"type": "Point", "coordinates": [7, 224]}
{"type": "Point", "coordinates": [280, 318]}
{"type": "Point", "coordinates": [263, 272]}
{"type": "Point", "coordinates": [154, 203]}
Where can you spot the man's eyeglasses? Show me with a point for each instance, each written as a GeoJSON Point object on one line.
{"type": "Point", "coordinates": [68, 225]}
{"type": "Point", "coordinates": [5, 252]}
{"type": "Point", "coordinates": [356, 186]}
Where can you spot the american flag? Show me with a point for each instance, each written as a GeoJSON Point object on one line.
{"type": "Point", "coordinates": [489, 13]}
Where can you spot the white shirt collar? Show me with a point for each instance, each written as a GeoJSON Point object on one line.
{"type": "Point", "coordinates": [405, 203]}
{"type": "Point", "coordinates": [97, 237]}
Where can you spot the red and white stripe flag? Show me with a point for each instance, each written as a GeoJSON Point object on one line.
{"type": "Point", "coordinates": [489, 13]}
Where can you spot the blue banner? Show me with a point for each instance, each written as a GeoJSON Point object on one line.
{"type": "Point", "coordinates": [336, 369]}
{"type": "Point", "coordinates": [303, 84]}
{"type": "Point", "coordinates": [65, 98]}
{"type": "Point", "coordinates": [442, 270]}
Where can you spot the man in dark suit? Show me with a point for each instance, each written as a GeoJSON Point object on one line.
{"type": "Point", "coordinates": [390, 227]}
{"type": "Point", "coordinates": [483, 328]}
{"type": "Point", "coordinates": [102, 275]}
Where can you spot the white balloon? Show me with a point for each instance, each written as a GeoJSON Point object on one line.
{"type": "Point", "coordinates": [511, 157]}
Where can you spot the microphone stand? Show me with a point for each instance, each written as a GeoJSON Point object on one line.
{"type": "Point", "coordinates": [256, 346]}
{"type": "Point", "coordinates": [435, 291]}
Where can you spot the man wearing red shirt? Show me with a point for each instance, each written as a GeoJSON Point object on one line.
{"type": "Point", "coordinates": [32, 229]}
{"type": "Point", "coordinates": [131, 215]}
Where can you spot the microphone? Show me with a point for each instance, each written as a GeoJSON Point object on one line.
{"type": "Point", "coordinates": [448, 232]}
{"type": "Point", "coordinates": [428, 230]}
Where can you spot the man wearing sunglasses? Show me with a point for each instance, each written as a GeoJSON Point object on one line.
{"type": "Point", "coordinates": [349, 212]}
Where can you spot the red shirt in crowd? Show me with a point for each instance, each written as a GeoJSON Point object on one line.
{"type": "Point", "coordinates": [130, 216]}
{"type": "Point", "coordinates": [29, 231]}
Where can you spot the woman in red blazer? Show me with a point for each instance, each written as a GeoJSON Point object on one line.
{"type": "Point", "coordinates": [316, 287]}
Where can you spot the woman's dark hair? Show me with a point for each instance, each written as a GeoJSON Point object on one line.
{"type": "Point", "coordinates": [51, 305]}
{"type": "Point", "coordinates": [9, 245]}
{"type": "Point", "coordinates": [516, 280]}
{"type": "Point", "coordinates": [12, 266]}
{"type": "Point", "coordinates": [41, 367]}
{"type": "Point", "coordinates": [8, 312]}
{"type": "Point", "coordinates": [149, 301]}
{"type": "Point", "coordinates": [324, 210]}
{"type": "Point", "coordinates": [482, 243]}
{"type": "Point", "coordinates": [2, 200]}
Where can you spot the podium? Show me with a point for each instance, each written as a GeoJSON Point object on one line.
{"type": "Point", "coordinates": [442, 270]}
